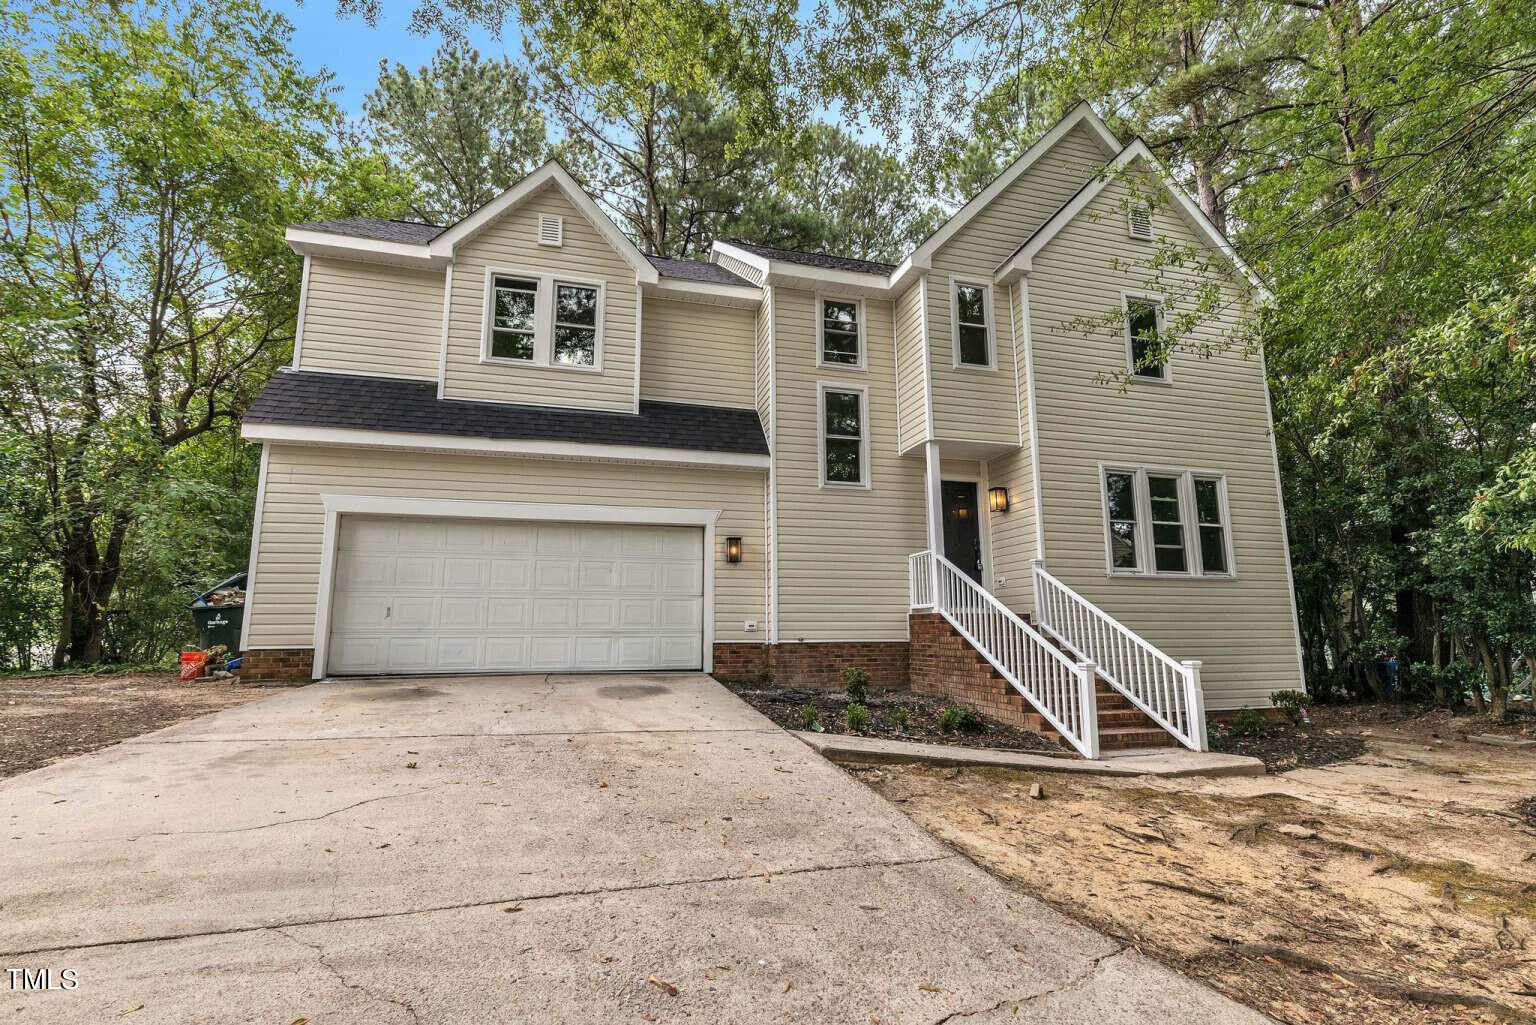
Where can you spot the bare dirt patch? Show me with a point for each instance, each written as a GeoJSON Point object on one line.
{"type": "Point", "coordinates": [1398, 887]}
{"type": "Point", "coordinates": [45, 718]}
{"type": "Point", "coordinates": [920, 723]}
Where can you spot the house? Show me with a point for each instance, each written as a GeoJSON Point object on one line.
{"type": "Point", "coordinates": [518, 444]}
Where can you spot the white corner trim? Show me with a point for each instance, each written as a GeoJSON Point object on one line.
{"type": "Point", "coordinates": [773, 472]}
{"type": "Point", "coordinates": [866, 474]}
{"type": "Point", "coordinates": [250, 569]}
{"type": "Point", "coordinates": [639, 313]}
{"type": "Point", "coordinates": [296, 435]}
{"type": "Point", "coordinates": [550, 173]}
{"type": "Point", "coordinates": [1285, 534]}
{"type": "Point", "coordinates": [337, 505]}
{"type": "Point", "coordinates": [1034, 419]}
{"type": "Point", "coordinates": [1021, 259]}
{"type": "Point", "coordinates": [442, 352]}
{"type": "Point", "coordinates": [298, 324]}
{"type": "Point", "coordinates": [922, 257]}
{"type": "Point", "coordinates": [927, 347]}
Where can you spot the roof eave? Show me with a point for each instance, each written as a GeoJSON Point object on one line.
{"type": "Point", "coordinates": [308, 242]}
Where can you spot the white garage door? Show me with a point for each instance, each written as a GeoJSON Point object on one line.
{"type": "Point", "coordinates": [472, 596]}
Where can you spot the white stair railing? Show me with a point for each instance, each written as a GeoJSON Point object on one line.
{"type": "Point", "coordinates": [1061, 690]}
{"type": "Point", "coordinates": [1167, 690]}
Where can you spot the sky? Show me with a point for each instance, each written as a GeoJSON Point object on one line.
{"type": "Point", "coordinates": [350, 49]}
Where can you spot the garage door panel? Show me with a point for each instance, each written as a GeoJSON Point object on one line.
{"type": "Point", "coordinates": [489, 596]}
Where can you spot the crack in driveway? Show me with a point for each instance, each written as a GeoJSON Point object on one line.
{"type": "Point", "coordinates": [514, 899]}
{"type": "Point", "coordinates": [1076, 982]}
{"type": "Point", "coordinates": [336, 973]}
{"type": "Point", "coordinates": [289, 822]}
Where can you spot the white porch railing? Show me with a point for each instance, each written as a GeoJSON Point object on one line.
{"type": "Point", "coordinates": [1060, 689]}
{"type": "Point", "coordinates": [1168, 691]}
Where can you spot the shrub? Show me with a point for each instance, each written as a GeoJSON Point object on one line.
{"type": "Point", "coordinates": [900, 716]}
{"type": "Point", "coordinates": [856, 683]}
{"type": "Point", "coordinates": [1291, 702]}
{"type": "Point", "coordinates": [858, 717]}
{"type": "Point", "coordinates": [1249, 723]}
{"type": "Point", "coordinates": [810, 718]}
{"type": "Point", "coordinates": [949, 718]}
{"type": "Point", "coordinates": [971, 720]}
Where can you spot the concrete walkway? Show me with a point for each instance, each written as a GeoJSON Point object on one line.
{"type": "Point", "coordinates": [521, 849]}
{"type": "Point", "coordinates": [1170, 762]}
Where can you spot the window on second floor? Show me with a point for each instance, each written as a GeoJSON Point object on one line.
{"type": "Point", "coordinates": [543, 320]}
{"type": "Point", "coordinates": [844, 431]}
{"type": "Point", "coordinates": [1166, 523]}
{"type": "Point", "coordinates": [1143, 325]}
{"type": "Point", "coordinates": [971, 309]}
{"type": "Point", "coordinates": [841, 333]}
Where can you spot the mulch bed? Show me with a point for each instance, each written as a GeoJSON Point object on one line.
{"type": "Point", "coordinates": [1282, 747]}
{"type": "Point", "coordinates": [785, 707]}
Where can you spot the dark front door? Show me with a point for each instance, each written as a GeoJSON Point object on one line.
{"type": "Point", "coordinates": [962, 526]}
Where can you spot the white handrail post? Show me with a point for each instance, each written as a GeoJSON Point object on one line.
{"type": "Point", "coordinates": [1036, 567]}
{"type": "Point", "coordinates": [1194, 701]}
{"type": "Point", "coordinates": [1087, 692]}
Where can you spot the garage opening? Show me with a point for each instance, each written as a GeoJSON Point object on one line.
{"type": "Point", "coordinates": [422, 595]}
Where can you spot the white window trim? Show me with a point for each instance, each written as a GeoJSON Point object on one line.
{"type": "Point", "coordinates": [543, 318]}
{"type": "Point", "coordinates": [954, 323]}
{"type": "Point", "coordinates": [1125, 329]}
{"type": "Point", "coordinates": [822, 387]}
{"type": "Point", "coordinates": [1145, 561]}
{"type": "Point", "coordinates": [821, 321]}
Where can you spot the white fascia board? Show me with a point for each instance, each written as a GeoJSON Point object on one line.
{"type": "Point", "coordinates": [550, 173]}
{"type": "Point", "coordinates": [1082, 114]}
{"type": "Point", "coordinates": [716, 293]}
{"type": "Point", "coordinates": [1021, 261]}
{"type": "Point", "coordinates": [296, 435]}
{"type": "Point", "coordinates": [307, 242]}
{"type": "Point", "coordinates": [737, 253]}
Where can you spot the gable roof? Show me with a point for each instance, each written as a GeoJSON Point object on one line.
{"type": "Point", "coordinates": [409, 232]}
{"type": "Point", "coordinates": [1082, 114]}
{"type": "Point", "coordinates": [1020, 260]}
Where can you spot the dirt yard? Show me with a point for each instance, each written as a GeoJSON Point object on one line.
{"type": "Point", "coordinates": [1395, 887]}
{"type": "Point", "coordinates": [45, 718]}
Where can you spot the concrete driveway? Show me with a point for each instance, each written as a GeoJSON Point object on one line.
{"type": "Point", "coordinates": [520, 849]}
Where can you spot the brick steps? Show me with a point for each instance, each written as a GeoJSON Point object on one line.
{"type": "Point", "coordinates": [944, 664]}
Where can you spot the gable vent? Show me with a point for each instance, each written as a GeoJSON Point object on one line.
{"type": "Point", "coordinates": [551, 230]}
{"type": "Point", "coordinates": [1141, 221]}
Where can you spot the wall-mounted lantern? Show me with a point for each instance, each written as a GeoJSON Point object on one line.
{"type": "Point", "coordinates": [997, 499]}
{"type": "Point", "coordinates": [733, 549]}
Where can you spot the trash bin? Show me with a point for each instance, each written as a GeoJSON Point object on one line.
{"type": "Point", "coordinates": [219, 612]}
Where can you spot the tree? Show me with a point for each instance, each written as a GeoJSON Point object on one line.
{"type": "Point", "coordinates": [150, 157]}
{"type": "Point", "coordinates": [461, 128]}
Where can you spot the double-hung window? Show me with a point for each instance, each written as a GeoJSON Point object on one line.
{"type": "Point", "coordinates": [844, 436]}
{"type": "Point", "coordinates": [841, 333]}
{"type": "Point", "coordinates": [1144, 348]}
{"type": "Point", "coordinates": [543, 320]}
{"type": "Point", "coordinates": [971, 309]}
{"type": "Point", "coordinates": [1166, 523]}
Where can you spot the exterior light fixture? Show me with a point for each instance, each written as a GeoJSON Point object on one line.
{"type": "Point", "coordinates": [997, 499]}
{"type": "Point", "coordinates": [733, 549]}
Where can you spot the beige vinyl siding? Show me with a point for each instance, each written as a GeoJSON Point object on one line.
{"type": "Point", "coordinates": [1014, 537]}
{"type": "Point", "coordinates": [842, 551]}
{"type": "Point", "coordinates": [697, 352]}
{"type": "Point", "coordinates": [367, 318]}
{"type": "Point", "coordinates": [1212, 417]}
{"type": "Point", "coordinates": [509, 244]}
{"type": "Point", "coordinates": [912, 385]}
{"type": "Point", "coordinates": [287, 572]}
{"type": "Point", "coordinates": [981, 405]}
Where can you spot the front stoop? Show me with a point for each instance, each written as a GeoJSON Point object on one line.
{"type": "Point", "coordinates": [945, 664]}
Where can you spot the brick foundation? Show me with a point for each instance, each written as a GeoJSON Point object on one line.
{"type": "Point", "coordinates": [287, 664]}
{"type": "Point", "coordinates": [814, 663]}
{"type": "Point", "coordinates": [945, 665]}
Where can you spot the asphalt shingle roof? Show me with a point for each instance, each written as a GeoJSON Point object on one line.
{"type": "Point", "coordinates": [695, 270]}
{"type": "Point", "coordinates": [826, 261]}
{"type": "Point", "coordinates": [409, 232]}
{"type": "Point", "coordinates": [309, 399]}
